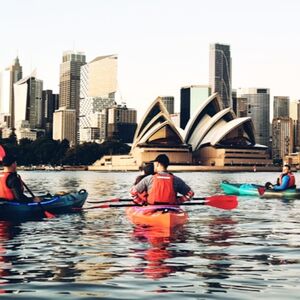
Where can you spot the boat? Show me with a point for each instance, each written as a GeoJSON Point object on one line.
{"type": "Point", "coordinates": [57, 204]}
{"type": "Point", "coordinates": [241, 189]}
{"type": "Point", "coordinates": [163, 216]}
{"type": "Point", "coordinates": [250, 189]}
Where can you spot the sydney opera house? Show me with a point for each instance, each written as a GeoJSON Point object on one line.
{"type": "Point", "coordinates": [212, 137]}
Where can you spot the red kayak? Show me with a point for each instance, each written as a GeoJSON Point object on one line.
{"type": "Point", "coordinates": [167, 216]}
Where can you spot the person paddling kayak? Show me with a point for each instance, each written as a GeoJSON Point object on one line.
{"type": "Point", "coordinates": [11, 184]}
{"type": "Point", "coordinates": [285, 181]}
{"type": "Point", "coordinates": [162, 187]}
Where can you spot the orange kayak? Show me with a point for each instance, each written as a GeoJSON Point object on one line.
{"type": "Point", "coordinates": [157, 215]}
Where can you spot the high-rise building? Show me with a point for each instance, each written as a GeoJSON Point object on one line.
{"type": "Point", "coordinates": [220, 72]}
{"type": "Point", "coordinates": [190, 98]}
{"type": "Point", "coordinates": [50, 104]}
{"type": "Point", "coordinates": [258, 108]}
{"type": "Point", "coordinates": [8, 77]}
{"type": "Point", "coordinates": [282, 137]}
{"type": "Point", "coordinates": [28, 101]}
{"type": "Point", "coordinates": [295, 116]}
{"type": "Point", "coordinates": [121, 123]}
{"type": "Point", "coordinates": [168, 101]}
{"type": "Point", "coordinates": [69, 84]}
{"type": "Point", "coordinates": [98, 86]}
{"type": "Point", "coordinates": [63, 125]}
{"type": "Point", "coordinates": [281, 107]}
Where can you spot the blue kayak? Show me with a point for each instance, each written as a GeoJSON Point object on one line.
{"type": "Point", "coordinates": [249, 189]}
{"type": "Point", "coordinates": [57, 204]}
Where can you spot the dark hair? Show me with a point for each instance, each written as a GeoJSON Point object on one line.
{"type": "Point", "coordinates": [8, 160]}
{"type": "Point", "coordinates": [287, 166]}
{"type": "Point", "coordinates": [148, 170]}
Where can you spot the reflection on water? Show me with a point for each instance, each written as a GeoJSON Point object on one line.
{"type": "Point", "coordinates": [247, 253]}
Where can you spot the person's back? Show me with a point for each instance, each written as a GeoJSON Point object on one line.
{"type": "Point", "coordinates": [162, 187]}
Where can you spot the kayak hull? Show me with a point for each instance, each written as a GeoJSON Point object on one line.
{"type": "Point", "coordinates": [241, 189]}
{"type": "Point", "coordinates": [162, 216]}
{"type": "Point", "coordinates": [248, 189]}
{"type": "Point", "coordinates": [58, 204]}
{"type": "Point", "coordinates": [287, 194]}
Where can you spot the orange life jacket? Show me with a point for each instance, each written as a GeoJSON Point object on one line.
{"type": "Point", "coordinates": [5, 192]}
{"type": "Point", "coordinates": [292, 180]}
{"type": "Point", "coordinates": [162, 190]}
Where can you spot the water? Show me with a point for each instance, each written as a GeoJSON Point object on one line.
{"type": "Point", "coordinates": [250, 252]}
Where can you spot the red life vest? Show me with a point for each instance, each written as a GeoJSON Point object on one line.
{"type": "Point", "coordinates": [162, 190]}
{"type": "Point", "coordinates": [5, 192]}
{"type": "Point", "coordinates": [292, 180]}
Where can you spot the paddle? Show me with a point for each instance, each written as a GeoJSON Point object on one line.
{"type": "Point", "coordinates": [261, 190]}
{"type": "Point", "coordinates": [46, 213]}
{"type": "Point", "coordinates": [218, 201]}
{"type": "Point", "coordinates": [215, 198]}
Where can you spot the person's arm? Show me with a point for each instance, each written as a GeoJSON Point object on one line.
{"type": "Point", "coordinates": [139, 188]}
{"type": "Point", "coordinates": [284, 184]}
{"type": "Point", "coordinates": [15, 184]}
{"type": "Point", "coordinates": [182, 188]}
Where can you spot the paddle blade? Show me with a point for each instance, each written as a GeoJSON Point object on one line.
{"type": "Point", "coordinates": [261, 190]}
{"type": "Point", "coordinates": [2, 153]}
{"type": "Point", "coordinates": [48, 214]}
{"type": "Point", "coordinates": [223, 202]}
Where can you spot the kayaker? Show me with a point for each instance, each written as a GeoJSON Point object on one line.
{"type": "Point", "coordinates": [162, 187]}
{"type": "Point", "coordinates": [285, 181]}
{"type": "Point", "coordinates": [11, 184]}
{"type": "Point", "coordinates": [148, 170]}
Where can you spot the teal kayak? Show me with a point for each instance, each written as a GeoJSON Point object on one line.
{"type": "Point", "coordinates": [241, 189]}
{"type": "Point", "coordinates": [57, 204]}
{"type": "Point", "coordinates": [250, 189]}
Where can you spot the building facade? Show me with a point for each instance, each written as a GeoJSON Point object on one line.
{"type": "Point", "coordinates": [168, 101]}
{"type": "Point", "coordinates": [295, 116]}
{"type": "Point", "coordinates": [281, 107]}
{"type": "Point", "coordinates": [258, 108]}
{"type": "Point", "coordinates": [121, 123]}
{"type": "Point", "coordinates": [8, 77]}
{"type": "Point", "coordinates": [28, 101]}
{"type": "Point", "coordinates": [69, 84]}
{"type": "Point", "coordinates": [63, 125]}
{"type": "Point", "coordinates": [220, 72]}
{"type": "Point", "coordinates": [282, 138]}
{"type": "Point", "coordinates": [50, 104]}
{"type": "Point", "coordinates": [98, 86]}
{"type": "Point", "coordinates": [190, 98]}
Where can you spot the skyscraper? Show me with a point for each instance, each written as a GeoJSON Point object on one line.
{"type": "Point", "coordinates": [98, 86]}
{"type": "Point", "coordinates": [281, 107]}
{"type": "Point", "coordinates": [282, 137]}
{"type": "Point", "coordinates": [258, 108]}
{"type": "Point", "coordinates": [28, 101]}
{"type": "Point", "coordinates": [69, 85]}
{"type": "Point", "coordinates": [220, 72]}
{"type": "Point", "coordinates": [190, 98]}
{"type": "Point", "coordinates": [8, 77]}
{"type": "Point", "coordinates": [50, 104]}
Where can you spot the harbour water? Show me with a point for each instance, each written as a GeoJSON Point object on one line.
{"type": "Point", "coordinates": [251, 252]}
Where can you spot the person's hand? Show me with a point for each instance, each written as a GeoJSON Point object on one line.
{"type": "Point", "coordinates": [37, 199]}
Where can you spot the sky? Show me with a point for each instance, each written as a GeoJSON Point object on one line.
{"type": "Point", "coordinates": [161, 45]}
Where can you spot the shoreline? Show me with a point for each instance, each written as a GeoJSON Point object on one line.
{"type": "Point", "coordinates": [172, 168]}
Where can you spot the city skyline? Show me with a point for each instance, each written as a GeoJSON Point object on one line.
{"type": "Point", "coordinates": [158, 54]}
